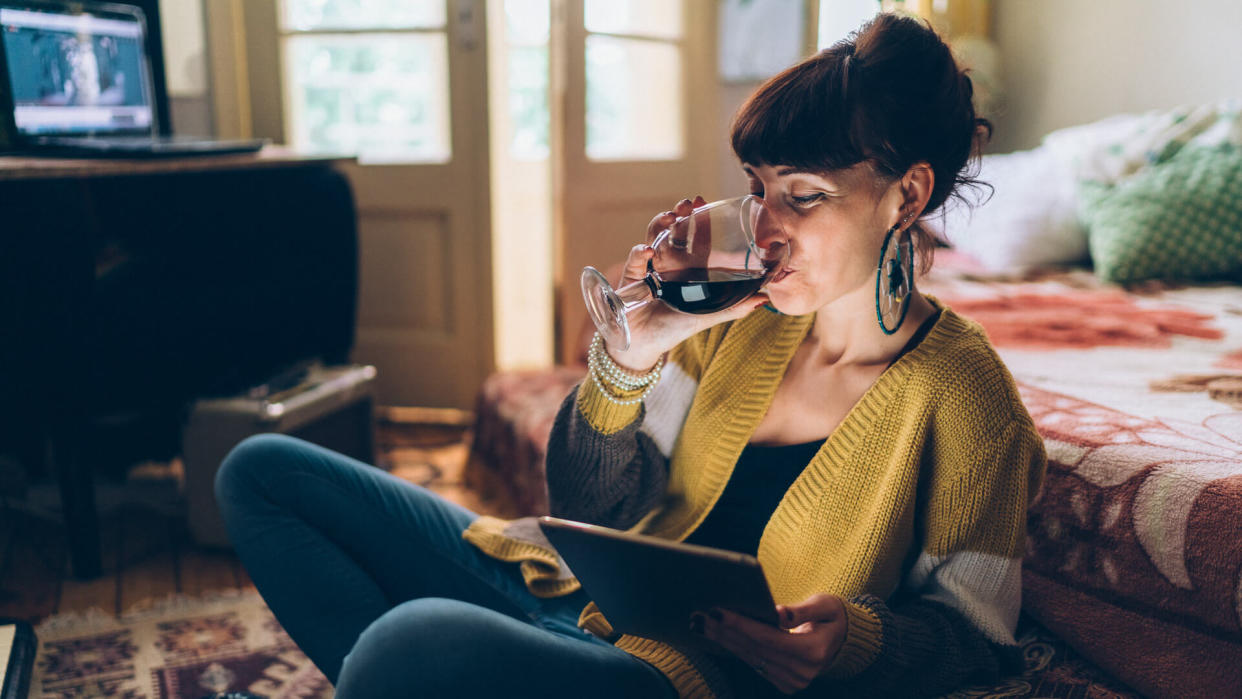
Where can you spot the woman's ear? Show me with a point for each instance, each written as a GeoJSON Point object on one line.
{"type": "Point", "coordinates": [916, 189]}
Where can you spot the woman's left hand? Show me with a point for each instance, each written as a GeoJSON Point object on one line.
{"type": "Point", "coordinates": [792, 656]}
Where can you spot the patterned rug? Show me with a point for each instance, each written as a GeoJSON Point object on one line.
{"type": "Point", "coordinates": [179, 648]}
{"type": "Point", "coordinates": [184, 648]}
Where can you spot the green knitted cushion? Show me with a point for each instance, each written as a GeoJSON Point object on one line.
{"type": "Point", "coordinates": [1179, 219]}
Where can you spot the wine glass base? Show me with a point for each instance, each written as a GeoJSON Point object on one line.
{"type": "Point", "coordinates": [606, 309]}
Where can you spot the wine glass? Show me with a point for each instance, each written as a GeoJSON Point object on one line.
{"type": "Point", "coordinates": [717, 256]}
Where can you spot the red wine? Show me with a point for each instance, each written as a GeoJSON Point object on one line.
{"type": "Point", "coordinates": [707, 290]}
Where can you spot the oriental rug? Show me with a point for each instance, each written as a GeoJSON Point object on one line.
{"type": "Point", "coordinates": [177, 648]}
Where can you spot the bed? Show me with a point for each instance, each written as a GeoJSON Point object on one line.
{"type": "Point", "coordinates": [1134, 546]}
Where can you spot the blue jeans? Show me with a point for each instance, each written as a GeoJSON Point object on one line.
{"type": "Point", "coordinates": [370, 576]}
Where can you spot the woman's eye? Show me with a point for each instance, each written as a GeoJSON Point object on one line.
{"type": "Point", "coordinates": [806, 199]}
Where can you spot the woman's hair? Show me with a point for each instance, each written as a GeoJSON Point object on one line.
{"type": "Point", "coordinates": [890, 94]}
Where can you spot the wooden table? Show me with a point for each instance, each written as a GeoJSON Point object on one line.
{"type": "Point", "coordinates": [159, 280]}
{"type": "Point", "coordinates": [13, 167]}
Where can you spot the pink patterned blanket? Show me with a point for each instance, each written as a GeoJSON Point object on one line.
{"type": "Point", "coordinates": [1135, 543]}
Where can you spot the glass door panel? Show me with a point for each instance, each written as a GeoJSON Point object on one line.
{"type": "Point", "coordinates": [654, 18]}
{"type": "Point", "coordinates": [635, 104]}
{"type": "Point", "coordinates": [308, 15]}
{"type": "Point", "coordinates": [634, 99]}
{"type": "Point", "coordinates": [380, 96]}
{"type": "Point", "coordinates": [367, 78]}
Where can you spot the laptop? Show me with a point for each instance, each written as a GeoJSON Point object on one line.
{"type": "Point", "coordinates": [77, 81]}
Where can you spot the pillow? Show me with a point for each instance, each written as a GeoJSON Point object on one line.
{"type": "Point", "coordinates": [1178, 219]}
{"type": "Point", "coordinates": [1030, 220]}
{"type": "Point", "coordinates": [1112, 149]}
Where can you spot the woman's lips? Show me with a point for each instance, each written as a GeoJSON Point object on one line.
{"type": "Point", "coordinates": [781, 275]}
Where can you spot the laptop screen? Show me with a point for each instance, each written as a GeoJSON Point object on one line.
{"type": "Point", "coordinates": [76, 71]}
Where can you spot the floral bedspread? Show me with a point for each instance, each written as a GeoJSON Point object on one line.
{"type": "Point", "coordinates": [1135, 542]}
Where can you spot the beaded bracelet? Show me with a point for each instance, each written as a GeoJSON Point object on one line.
{"type": "Point", "coordinates": [604, 369]}
{"type": "Point", "coordinates": [615, 374]}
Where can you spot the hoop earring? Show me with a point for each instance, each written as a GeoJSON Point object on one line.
{"type": "Point", "coordinates": [894, 280]}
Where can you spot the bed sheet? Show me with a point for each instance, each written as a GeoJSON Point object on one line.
{"type": "Point", "coordinates": [1134, 546]}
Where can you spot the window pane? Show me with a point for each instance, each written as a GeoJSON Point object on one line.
{"type": "Point", "coordinates": [302, 15]}
{"type": "Point", "coordinates": [381, 96]}
{"type": "Point", "coordinates": [526, 21]}
{"type": "Point", "coordinates": [528, 102]}
{"type": "Point", "coordinates": [654, 18]}
{"type": "Point", "coordinates": [634, 99]}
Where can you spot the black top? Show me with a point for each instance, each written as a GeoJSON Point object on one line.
{"type": "Point", "coordinates": [759, 481]}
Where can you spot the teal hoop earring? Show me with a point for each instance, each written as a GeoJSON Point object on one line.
{"type": "Point", "coordinates": [894, 280]}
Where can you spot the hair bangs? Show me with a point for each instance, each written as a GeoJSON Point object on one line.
{"type": "Point", "coordinates": [800, 118]}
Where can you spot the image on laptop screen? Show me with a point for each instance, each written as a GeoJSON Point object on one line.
{"type": "Point", "coordinates": [76, 73]}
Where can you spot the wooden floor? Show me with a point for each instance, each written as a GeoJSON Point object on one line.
{"type": "Point", "coordinates": [147, 554]}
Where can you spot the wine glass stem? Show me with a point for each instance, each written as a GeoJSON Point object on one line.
{"type": "Point", "coordinates": [635, 295]}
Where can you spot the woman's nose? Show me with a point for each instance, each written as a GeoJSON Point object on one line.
{"type": "Point", "coordinates": [770, 234]}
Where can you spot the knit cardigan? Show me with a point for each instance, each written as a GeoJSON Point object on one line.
{"type": "Point", "coordinates": [913, 511]}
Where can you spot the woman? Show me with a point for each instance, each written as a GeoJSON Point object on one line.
{"type": "Point", "coordinates": [860, 438]}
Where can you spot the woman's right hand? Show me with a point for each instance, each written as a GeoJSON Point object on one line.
{"type": "Point", "coordinates": [655, 328]}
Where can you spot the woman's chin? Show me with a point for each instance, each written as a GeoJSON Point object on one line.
{"type": "Point", "coordinates": [788, 296]}
{"type": "Point", "coordinates": [788, 306]}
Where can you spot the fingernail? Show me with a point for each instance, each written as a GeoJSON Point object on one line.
{"type": "Point", "coordinates": [715, 615]}
{"type": "Point", "coordinates": [696, 623]}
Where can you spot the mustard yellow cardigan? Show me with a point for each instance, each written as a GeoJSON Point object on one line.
{"type": "Point", "coordinates": [918, 498]}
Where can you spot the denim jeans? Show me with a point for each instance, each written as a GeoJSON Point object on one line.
{"type": "Point", "coordinates": [371, 578]}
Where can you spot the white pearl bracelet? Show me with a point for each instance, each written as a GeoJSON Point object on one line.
{"type": "Point", "coordinates": [604, 370]}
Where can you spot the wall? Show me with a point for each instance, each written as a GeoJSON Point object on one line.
{"type": "Point", "coordinates": [1069, 62]}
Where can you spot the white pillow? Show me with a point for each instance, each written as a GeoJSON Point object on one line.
{"type": "Point", "coordinates": [1030, 220]}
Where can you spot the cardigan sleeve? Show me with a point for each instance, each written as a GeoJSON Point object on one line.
{"type": "Point", "coordinates": [605, 465]}
{"type": "Point", "coordinates": [610, 476]}
{"type": "Point", "coordinates": [951, 623]}
{"type": "Point", "coordinates": [919, 648]}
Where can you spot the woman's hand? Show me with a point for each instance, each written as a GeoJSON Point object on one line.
{"type": "Point", "coordinates": [655, 328]}
{"type": "Point", "coordinates": [792, 656]}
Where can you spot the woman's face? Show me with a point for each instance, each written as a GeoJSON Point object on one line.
{"type": "Point", "coordinates": [836, 224]}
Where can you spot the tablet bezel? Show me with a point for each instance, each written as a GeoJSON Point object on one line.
{"type": "Point", "coordinates": [628, 576]}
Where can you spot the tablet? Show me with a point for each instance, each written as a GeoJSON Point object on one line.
{"type": "Point", "coordinates": [647, 586]}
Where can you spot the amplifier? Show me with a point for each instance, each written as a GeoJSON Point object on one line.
{"type": "Point", "coordinates": [329, 406]}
